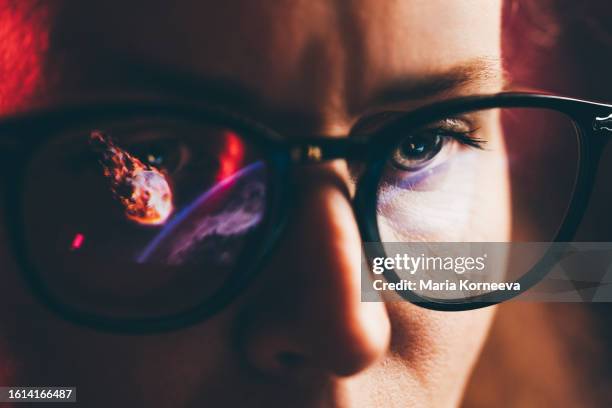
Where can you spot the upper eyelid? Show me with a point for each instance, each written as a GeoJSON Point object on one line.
{"type": "Point", "coordinates": [452, 121]}
{"type": "Point", "coordinates": [378, 121]}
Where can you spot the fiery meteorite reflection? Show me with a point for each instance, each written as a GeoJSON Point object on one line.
{"type": "Point", "coordinates": [142, 189]}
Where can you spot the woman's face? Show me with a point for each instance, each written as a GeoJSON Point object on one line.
{"type": "Point", "coordinates": [300, 335]}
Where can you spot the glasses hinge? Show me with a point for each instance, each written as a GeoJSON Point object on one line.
{"type": "Point", "coordinates": [307, 153]}
{"type": "Point", "coordinates": [603, 123]}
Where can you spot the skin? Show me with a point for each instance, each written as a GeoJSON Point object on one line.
{"type": "Point", "coordinates": [313, 67]}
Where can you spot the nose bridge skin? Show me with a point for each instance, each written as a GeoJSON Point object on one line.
{"type": "Point", "coordinates": [308, 314]}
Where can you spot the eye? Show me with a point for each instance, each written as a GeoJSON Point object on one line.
{"type": "Point", "coordinates": [417, 150]}
{"type": "Point", "coordinates": [170, 154]}
{"type": "Point", "coordinates": [422, 146]}
{"type": "Point", "coordinates": [165, 151]}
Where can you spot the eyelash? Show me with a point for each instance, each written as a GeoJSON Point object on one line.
{"type": "Point", "coordinates": [378, 121]}
{"type": "Point", "coordinates": [467, 138]}
{"type": "Point", "coordinates": [446, 131]}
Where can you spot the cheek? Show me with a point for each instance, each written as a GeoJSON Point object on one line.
{"type": "Point", "coordinates": [493, 207]}
{"type": "Point", "coordinates": [466, 199]}
{"type": "Point", "coordinates": [37, 347]}
{"type": "Point", "coordinates": [15, 311]}
{"type": "Point", "coordinates": [440, 348]}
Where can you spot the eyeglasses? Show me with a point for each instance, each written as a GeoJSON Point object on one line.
{"type": "Point", "coordinates": [146, 215]}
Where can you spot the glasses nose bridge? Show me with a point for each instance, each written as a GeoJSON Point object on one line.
{"type": "Point", "coordinates": [317, 150]}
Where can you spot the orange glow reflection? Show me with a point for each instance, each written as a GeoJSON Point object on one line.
{"type": "Point", "coordinates": [231, 156]}
{"type": "Point", "coordinates": [142, 189]}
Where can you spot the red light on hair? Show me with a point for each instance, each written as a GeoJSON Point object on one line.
{"type": "Point", "coordinates": [23, 42]}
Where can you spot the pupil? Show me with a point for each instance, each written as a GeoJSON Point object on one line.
{"type": "Point", "coordinates": [418, 147]}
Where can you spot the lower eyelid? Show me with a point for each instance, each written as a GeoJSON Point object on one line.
{"type": "Point", "coordinates": [429, 181]}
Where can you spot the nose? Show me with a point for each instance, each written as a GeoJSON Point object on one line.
{"type": "Point", "coordinates": [308, 315]}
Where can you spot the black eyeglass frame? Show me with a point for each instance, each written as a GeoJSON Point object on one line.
{"type": "Point", "coordinates": [593, 123]}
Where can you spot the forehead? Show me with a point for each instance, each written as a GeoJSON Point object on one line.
{"type": "Point", "coordinates": [322, 50]}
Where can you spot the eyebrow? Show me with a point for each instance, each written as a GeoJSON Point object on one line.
{"type": "Point", "coordinates": [147, 76]}
{"type": "Point", "coordinates": [478, 71]}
